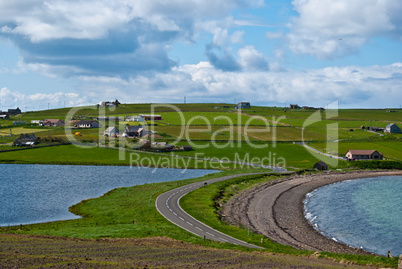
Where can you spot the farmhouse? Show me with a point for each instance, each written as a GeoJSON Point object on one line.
{"type": "Point", "coordinates": [294, 106]}
{"type": "Point", "coordinates": [241, 105]}
{"type": "Point", "coordinates": [14, 111]}
{"type": "Point", "coordinates": [151, 117]}
{"type": "Point", "coordinates": [87, 124]}
{"type": "Point", "coordinates": [134, 118]}
{"type": "Point", "coordinates": [364, 155]}
{"type": "Point", "coordinates": [135, 131]}
{"type": "Point", "coordinates": [392, 128]}
{"type": "Point", "coordinates": [109, 104]}
{"type": "Point", "coordinates": [111, 131]}
{"type": "Point", "coordinates": [51, 122]}
{"type": "Point", "coordinates": [26, 140]}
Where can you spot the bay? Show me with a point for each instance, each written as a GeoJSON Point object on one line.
{"type": "Point", "coordinates": [43, 193]}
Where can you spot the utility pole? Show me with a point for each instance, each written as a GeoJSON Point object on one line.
{"type": "Point", "coordinates": [47, 106]}
{"type": "Point", "coordinates": [184, 99]}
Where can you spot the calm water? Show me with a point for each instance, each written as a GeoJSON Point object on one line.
{"type": "Point", "coordinates": [364, 213]}
{"type": "Point", "coordinates": [43, 193]}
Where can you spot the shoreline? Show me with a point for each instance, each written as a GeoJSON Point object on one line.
{"type": "Point", "coordinates": [276, 210]}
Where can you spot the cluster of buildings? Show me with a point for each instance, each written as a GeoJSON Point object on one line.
{"type": "Point", "coordinates": [305, 107]}
{"type": "Point", "coordinates": [129, 131]}
{"type": "Point", "coordinates": [26, 140]}
{"type": "Point", "coordinates": [115, 103]}
{"type": "Point", "coordinates": [390, 128]}
{"type": "Point", "coordinates": [11, 112]}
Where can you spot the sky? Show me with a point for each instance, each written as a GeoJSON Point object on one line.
{"type": "Point", "coordinates": [64, 53]}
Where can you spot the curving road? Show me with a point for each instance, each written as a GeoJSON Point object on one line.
{"type": "Point", "coordinates": [168, 206]}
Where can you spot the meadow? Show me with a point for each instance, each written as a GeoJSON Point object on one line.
{"type": "Point", "coordinates": [214, 130]}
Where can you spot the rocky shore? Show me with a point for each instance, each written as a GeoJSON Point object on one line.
{"type": "Point", "coordinates": [275, 209]}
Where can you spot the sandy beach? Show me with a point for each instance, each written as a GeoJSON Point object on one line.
{"type": "Point", "coordinates": [275, 209]}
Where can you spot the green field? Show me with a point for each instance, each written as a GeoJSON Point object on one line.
{"type": "Point", "coordinates": [391, 150]}
{"type": "Point", "coordinates": [219, 128]}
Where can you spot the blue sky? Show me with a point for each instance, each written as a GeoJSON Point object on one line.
{"type": "Point", "coordinates": [272, 53]}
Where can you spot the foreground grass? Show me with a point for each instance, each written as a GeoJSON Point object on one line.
{"type": "Point", "coordinates": [204, 204]}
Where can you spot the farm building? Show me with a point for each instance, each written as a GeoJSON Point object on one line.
{"type": "Point", "coordinates": [364, 155]}
{"type": "Point", "coordinates": [14, 111]}
{"type": "Point", "coordinates": [135, 131]}
{"type": "Point", "coordinates": [111, 131]}
{"type": "Point", "coordinates": [51, 122]}
{"type": "Point", "coordinates": [320, 166]}
{"type": "Point", "coordinates": [86, 124]}
{"type": "Point", "coordinates": [135, 118]}
{"type": "Point", "coordinates": [392, 128]}
{"type": "Point", "coordinates": [4, 117]}
{"type": "Point", "coordinates": [26, 140]}
{"type": "Point", "coordinates": [241, 105]}
{"type": "Point", "coordinates": [109, 104]}
{"type": "Point", "coordinates": [151, 117]}
{"type": "Point", "coordinates": [186, 148]}
{"type": "Point", "coordinates": [294, 106]}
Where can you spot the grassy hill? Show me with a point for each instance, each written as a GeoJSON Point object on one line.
{"type": "Point", "coordinates": [214, 130]}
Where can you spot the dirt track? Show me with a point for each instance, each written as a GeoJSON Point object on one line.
{"type": "Point", "coordinates": [275, 210]}
{"type": "Point", "coordinates": [24, 251]}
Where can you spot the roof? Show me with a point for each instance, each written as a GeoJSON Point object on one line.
{"type": "Point", "coordinates": [111, 129]}
{"type": "Point", "coordinates": [391, 124]}
{"type": "Point", "coordinates": [86, 122]}
{"type": "Point", "coordinates": [136, 128]}
{"type": "Point", "coordinates": [53, 120]}
{"type": "Point", "coordinates": [362, 151]}
{"type": "Point", "coordinates": [149, 115]}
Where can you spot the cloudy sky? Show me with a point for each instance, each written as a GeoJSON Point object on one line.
{"type": "Point", "coordinates": [274, 52]}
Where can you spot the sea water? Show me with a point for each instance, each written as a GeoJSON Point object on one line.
{"type": "Point", "coordinates": [43, 193]}
{"type": "Point", "coordinates": [365, 213]}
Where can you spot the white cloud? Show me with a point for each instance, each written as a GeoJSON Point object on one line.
{"type": "Point", "coordinates": [274, 35]}
{"type": "Point", "coordinates": [352, 86]}
{"type": "Point", "coordinates": [38, 101]}
{"type": "Point", "coordinates": [329, 29]}
{"type": "Point", "coordinates": [237, 37]}
{"type": "Point", "coordinates": [251, 59]}
{"type": "Point", "coordinates": [91, 19]}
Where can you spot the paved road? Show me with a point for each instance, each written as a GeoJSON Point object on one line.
{"type": "Point", "coordinates": [168, 205]}
{"type": "Point", "coordinates": [317, 151]}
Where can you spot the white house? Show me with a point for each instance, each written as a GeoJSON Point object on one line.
{"type": "Point", "coordinates": [52, 122]}
{"type": "Point", "coordinates": [87, 124]}
{"type": "Point", "coordinates": [364, 155]}
{"type": "Point", "coordinates": [111, 131]}
{"type": "Point", "coordinates": [135, 118]}
{"type": "Point", "coordinates": [392, 128]}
